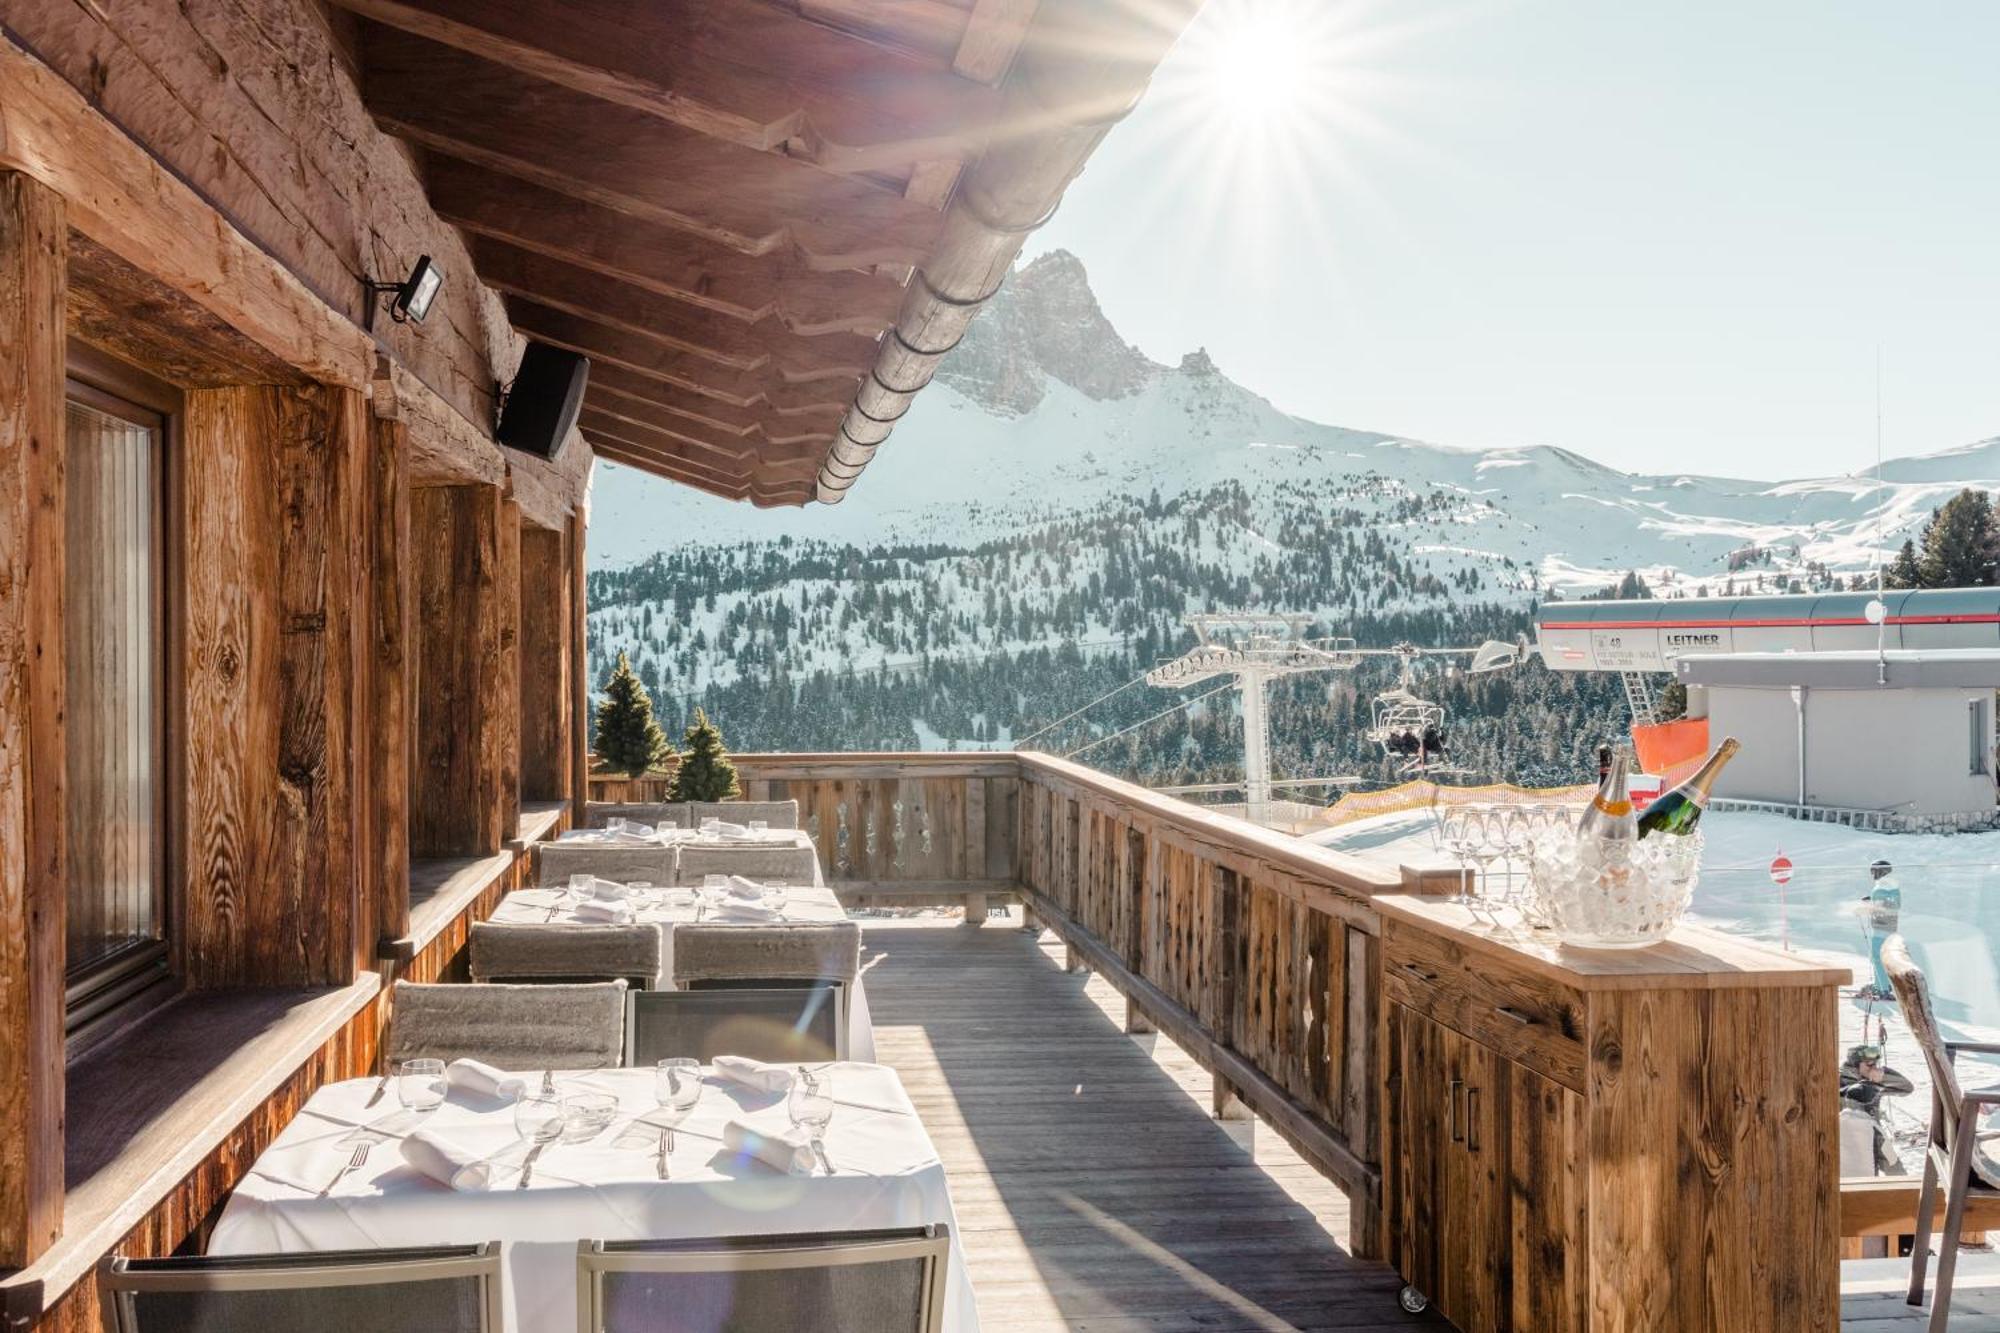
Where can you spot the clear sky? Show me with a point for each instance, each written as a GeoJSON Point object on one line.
{"type": "Point", "coordinates": [1668, 234]}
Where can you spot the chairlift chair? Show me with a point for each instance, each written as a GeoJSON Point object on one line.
{"type": "Point", "coordinates": [1410, 730]}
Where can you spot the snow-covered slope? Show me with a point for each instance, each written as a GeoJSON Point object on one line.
{"type": "Point", "coordinates": [1045, 411]}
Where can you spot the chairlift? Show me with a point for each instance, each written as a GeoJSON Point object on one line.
{"type": "Point", "coordinates": [1409, 728]}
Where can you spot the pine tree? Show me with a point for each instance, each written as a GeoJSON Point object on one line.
{"type": "Point", "coordinates": [627, 736]}
{"type": "Point", "coordinates": [1961, 547]}
{"type": "Point", "coordinates": [705, 773]}
{"type": "Point", "coordinates": [1903, 571]}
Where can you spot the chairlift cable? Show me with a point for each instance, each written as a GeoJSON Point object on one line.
{"type": "Point", "coordinates": [1229, 685]}
{"type": "Point", "coordinates": [1136, 680]}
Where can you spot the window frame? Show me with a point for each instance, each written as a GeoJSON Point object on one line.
{"type": "Point", "coordinates": [100, 997]}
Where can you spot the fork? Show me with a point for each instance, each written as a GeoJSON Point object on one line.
{"type": "Point", "coordinates": [354, 1161]}
{"type": "Point", "coordinates": [548, 1083]}
{"type": "Point", "coordinates": [528, 1165]}
{"type": "Point", "coordinates": [666, 1146]}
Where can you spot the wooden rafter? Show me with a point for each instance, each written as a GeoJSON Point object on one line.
{"type": "Point", "coordinates": [601, 342]}
{"type": "Point", "coordinates": [932, 29]}
{"type": "Point", "coordinates": [755, 488]}
{"type": "Point", "coordinates": [765, 345]}
{"type": "Point", "coordinates": [632, 162]}
{"type": "Point", "coordinates": [724, 452]}
{"type": "Point", "coordinates": [652, 400]}
{"type": "Point", "coordinates": [660, 259]}
{"type": "Point", "coordinates": [739, 70]}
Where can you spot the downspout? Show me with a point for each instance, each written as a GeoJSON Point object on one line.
{"type": "Point", "coordinates": [1799, 705]}
{"type": "Point", "coordinates": [1083, 66]}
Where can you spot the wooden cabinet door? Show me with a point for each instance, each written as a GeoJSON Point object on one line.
{"type": "Point", "coordinates": [1418, 1150]}
{"type": "Point", "coordinates": [1546, 1240]}
{"type": "Point", "coordinates": [1473, 1220]}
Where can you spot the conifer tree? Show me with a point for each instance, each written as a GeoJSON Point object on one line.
{"type": "Point", "coordinates": [1903, 571]}
{"type": "Point", "coordinates": [627, 736]}
{"type": "Point", "coordinates": [705, 773]}
{"type": "Point", "coordinates": [1961, 547]}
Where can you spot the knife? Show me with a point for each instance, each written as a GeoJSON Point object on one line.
{"type": "Point", "coordinates": [666, 1146]}
{"type": "Point", "coordinates": [381, 1086]}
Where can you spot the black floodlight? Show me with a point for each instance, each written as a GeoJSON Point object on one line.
{"type": "Point", "coordinates": [412, 296]}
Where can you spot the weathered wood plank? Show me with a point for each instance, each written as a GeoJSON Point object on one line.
{"type": "Point", "coordinates": [391, 675]}
{"type": "Point", "coordinates": [545, 665]}
{"type": "Point", "coordinates": [504, 702]}
{"type": "Point", "coordinates": [580, 721]}
{"type": "Point", "coordinates": [33, 885]}
{"type": "Point", "coordinates": [454, 783]}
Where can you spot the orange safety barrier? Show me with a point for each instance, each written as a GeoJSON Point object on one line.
{"type": "Point", "coordinates": [1673, 750]}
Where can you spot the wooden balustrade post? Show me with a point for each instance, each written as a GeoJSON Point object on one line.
{"type": "Point", "coordinates": [1136, 1022]}
{"type": "Point", "coordinates": [1074, 961]}
{"type": "Point", "coordinates": [33, 890]}
{"type": "Point", "coordinates": [975, 909]}
{"type": "Point", "coordinates": [1226, 1105]}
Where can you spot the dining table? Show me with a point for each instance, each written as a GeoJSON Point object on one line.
{"type": "Point", "coordinates": [306, 1191]}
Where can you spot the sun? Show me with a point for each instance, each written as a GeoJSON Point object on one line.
{"type": "Point", "coordinates": [1260, 65]}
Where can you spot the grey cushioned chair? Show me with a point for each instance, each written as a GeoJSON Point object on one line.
{"type": "Point", "coordinates": [828, 952]}
{"type": "Point", "coordinates": [437, 1289]}
{"type": "Point", "coordinates": [795, 865]}
{"type": "Point", "coordinates": [778, 814]}
{"type": "Point", "coordinates": [511, 1027]}
{"type": "Point", "coordinates": [782, 1022]}
{"type": "Point", "coordinates": [557, 861]}
{"type": "Point", "coordinates": [532, 951]}
{"type": "Point", "coordinates": [1956, 1153]}
{"type": "Point", "coordinates": [843, 1282]}
{"type": "Point", "coordinates": [660, 814]}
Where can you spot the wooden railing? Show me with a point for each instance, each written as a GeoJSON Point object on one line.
{"type": "Point", "coordinates": [1253, 951]}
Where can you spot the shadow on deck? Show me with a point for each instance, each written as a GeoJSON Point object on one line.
{"type": "Point", "coordinates": [1093, 1189]}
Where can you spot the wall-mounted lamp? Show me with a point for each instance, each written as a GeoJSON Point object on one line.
{"type": "Point", "coordinates": [412, 297]}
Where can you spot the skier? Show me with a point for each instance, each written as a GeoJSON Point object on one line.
{"type": "Point", "coordinates": [1885, 911]}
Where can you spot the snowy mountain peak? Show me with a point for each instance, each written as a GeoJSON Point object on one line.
{"type": "Point", "coordinates": [1198, 362]}
{"type": "Point", "coordinates": [1044, 324]}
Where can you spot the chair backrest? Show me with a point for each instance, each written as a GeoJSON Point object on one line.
{"type": "Point", "coordinates": [778, 814]}
{"type": "Point", "coordinates": [660, 814]}
{"type": "Point", "coordinates": [842, 1282]}
{"type": "Point", "coordinates": [776, 1022]}
{"type": "Point", "coordinates": [510, 1027]}
{"type": "Point", "coordinates": [564, 951]}
{"type": "Point", "coordinates": [1913, 991]}
{"type": "Point", "coordinates": [557, 861]}
{"type": "Point", "coordinates": [796, 865]}
{"type": "Point", "coordinates": [437, 1289]}
{"type": "Point", "coordinates": [816, 952]}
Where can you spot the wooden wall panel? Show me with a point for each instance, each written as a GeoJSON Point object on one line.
{"type": "Point", "coordinates": [504, 701]}
{"type": "Point", "coordinates": [545, 665]}
{"type": "Point", "coordinates": [274, 482]}
{"type": "Point", "coordinates": [391, 677]}
{"type": "Point", "coordinates": [32, 833]}
{"type": "Point", "coordinates": [579, 671]}
{"type": "Point", "coordinates": [454, 778]}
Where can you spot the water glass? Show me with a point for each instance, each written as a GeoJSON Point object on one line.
{"type": "Point", "coordinates": [587, 1114]}
{"type": "Point", "coordinates": [677, 1087]}
{"type": "Point", "coordinates": [760, 825]}
{"type": "Point", "coordinates": [776, 890]}
{"type": "Point", "coordinates": [538, 1119]}
{"type": "Point", "coordinates": [711, 824]}
{"type": "Point", "coordinates": [640, 890]}
{"type": "Point", "coordinates": [614, 825]}
{"type": "Point", "coordinates": [420, 1085]}
{"type": "Point", "coordinates": [810, 1102]}
{"type": "Point", "coordinates": [582, 888]}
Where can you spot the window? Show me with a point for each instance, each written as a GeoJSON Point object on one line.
{"type": "Point", "coordinates": [1979, 733]}
{"type": "Point", "coordinates": [114, 645]}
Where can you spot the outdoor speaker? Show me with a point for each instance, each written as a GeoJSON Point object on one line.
{"type": "Point", "coordinates": [547, 394]}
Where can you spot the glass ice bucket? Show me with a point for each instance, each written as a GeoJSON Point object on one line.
{"type": "Point", "coordinates": [1612, 895]}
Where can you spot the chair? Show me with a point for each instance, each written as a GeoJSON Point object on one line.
{"type": "Point", "coordinates": [817, 952]}
{"type": "Point", "coordinates": [435, 1289]}
{"type": "Point", "coordinates": [779, 1022]}
{"type": "Point", "coordinates": [534, 952]}
{"type": "Point", "coordinates": [1956, 1153]}
{"type": "Point", "coordinates": [557, 861]}
{"type": "Point", "coordinates": [839, 1282]}
{"type": "Point", "coordinates": [511, 1027]}
{"type": "Point", "coordinates": [660, 814]}
{"type": "Point", "coordinates": [799, 865]}
{"type": "Point", "coordinates": [778, 814]}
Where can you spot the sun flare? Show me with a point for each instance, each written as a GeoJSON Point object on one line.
{"type": "Point", "coordinates": [1260, 66]}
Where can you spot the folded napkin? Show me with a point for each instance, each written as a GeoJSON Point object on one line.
{"type": "Point", "coordinates": [727, 829]}
{"type": "Point", "coordinates": [739, 887]}
{"type": "Point", "coordinates": [789, 1150]}
{"type": "Point", "coordinates": [479, 1077]}
{"type": "Point", "coordinates": [736, 909]}
{"type": "Point", "coordinates": [637, 829]}
{"type": "Point", "coordinates": [753, 1073]}
{"type": "Point", "coordinates": [618, 914]}
{"type": "Point", "coordinates": [625, 838]}
{"type": "Point", "coordinates": [446, 1162]}
{"type": "Point", "coordinates": [607, 890]}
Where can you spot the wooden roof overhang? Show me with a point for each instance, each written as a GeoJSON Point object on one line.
{"type": "Point", "coordinates": [765, 221]}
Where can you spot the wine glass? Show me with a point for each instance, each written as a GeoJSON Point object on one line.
{"type": "Point", "coordinates": [587, 1114]}
{"type": "Point", "coordinates": [420, 1085]}
{"type": "Point", "coordinates": [760, 827]}
{"type": "Point", "coordinates": [1456, 828]}
{"type": "Point", "coordinates": [538, 1119]}
{"type": "Point", "coordinates": [677, 1087]}
{"type": "Point", "coordinates": [582, 888]}
{"type": "Point", "coordinates": [640, 891]}
{"type": "Point", "coordinates": [776, 891]}
{"type": "Point", "coordinates": [810, 1104]}
{"type": "Point", "coordinates": [615, 825]}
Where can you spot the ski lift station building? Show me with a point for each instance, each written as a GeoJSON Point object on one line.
{"type": "Point", "coordinates": [1890, 726]}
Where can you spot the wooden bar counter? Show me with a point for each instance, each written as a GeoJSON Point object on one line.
{"type": "Point", "coordinates": [1609, 1139]}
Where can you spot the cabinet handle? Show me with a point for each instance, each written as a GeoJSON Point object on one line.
{"type": "Point", "coordinates": [1472, 1119]}
{"type": "Point", "coordinates": [1451, 1109]}
{"type": "Point", "coordinates": [1508, 1011]}
{"type": "Point", "coordinates": [1419, 973]}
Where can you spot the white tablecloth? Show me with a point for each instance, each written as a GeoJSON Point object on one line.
{"type": "Point", "coordinates": [803, 903]}
{"type": "Point", "coordinates": [887, 1175]}
{"type": "Point", "coordinates": [777, 837]}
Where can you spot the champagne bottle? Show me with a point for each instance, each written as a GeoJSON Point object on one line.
{"type": "Point", "coordinates": [1609, 816]}
{"type": "Point", "coordinates": [1677, 812]}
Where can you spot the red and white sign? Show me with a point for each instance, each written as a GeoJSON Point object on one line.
{"type": "Point", "coordinates": [1781, 869]}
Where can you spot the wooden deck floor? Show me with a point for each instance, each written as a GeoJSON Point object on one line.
{"type": "Point", "coordinates": [1094, 1191]}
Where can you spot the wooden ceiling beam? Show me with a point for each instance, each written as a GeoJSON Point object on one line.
{"type": "Point", "coordinates": [601, 342]}
{"type": "Point", "coordinates": [660, 259]}
{"type": "Point", "coordinates": [739, 70]}
{"type": "Point", "coordinates": [632, 162]}
{"type": "Point", "coordinates": [765, 495]}
{"type": "Point", "coordinates": [735, 454]}
{"type": "Point", "coordinates": [769, 416]}
{"type": "Point", "coordinates": [765, 345]}
{"type": "Point", "coordinates": [661, 405]}
{"type": "Point", "coordinates": [931, 29]}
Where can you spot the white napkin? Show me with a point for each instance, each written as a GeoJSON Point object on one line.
{"type": "Point", "coordinates": [446, 1162]}
{"type": "Point", "coordinates": [738, 910]}
{"type": "Point", "coordinates": [607, 890]}
{"type": "Point", "coordinates": [617, 914]}
{"type": "Point", "coordinates": [739, 887]}
{"type": "Point", "coordinates": [479, 1077]}
{"type": "Point", "coordinates": [729, 830]}
{"type": "Point", "coordinates": [623, 838]}
{"type": "Point", "coordinates": [753, 1073]}
{"type": "Point", "coordinates": [638, 830]}
{"type": "Point", "coordinates": [789, 1150]}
